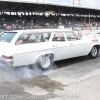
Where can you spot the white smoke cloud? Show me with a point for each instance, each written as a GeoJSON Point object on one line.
{"type": "Point", "coordinates": [11, 74]}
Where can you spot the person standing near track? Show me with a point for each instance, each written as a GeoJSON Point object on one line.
{"type": "Point", "coordinates": [60, 26]}
{"type": "Point", "coordinates": [79, 33]}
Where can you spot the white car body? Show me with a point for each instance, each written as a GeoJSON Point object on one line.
{"type": "Point", "coordinates": [14, 55]}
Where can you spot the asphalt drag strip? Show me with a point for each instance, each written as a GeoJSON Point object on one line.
{"type": "Point", "coordinates": [68, 81]}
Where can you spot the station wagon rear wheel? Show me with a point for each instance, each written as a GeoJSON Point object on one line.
{"type": "Point", "coordinates": [94, 52]}
{"type": "Point", "coordinates": [45, 62]}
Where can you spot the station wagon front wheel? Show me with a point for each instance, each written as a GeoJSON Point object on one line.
{"type": "Point", "coordinates": [45, 62]}
{"type": "Point", "coordinates": [94, 52]}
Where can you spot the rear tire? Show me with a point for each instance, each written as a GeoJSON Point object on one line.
{"type": "Point", "coordinates": [44, 63]}
{"type": "Point", "coordinates": [94, 52]}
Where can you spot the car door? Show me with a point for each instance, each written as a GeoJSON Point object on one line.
{"type": "Point", "coordinates": [77, 45]}
{"type": "Point", "coordinates": [60, 46]}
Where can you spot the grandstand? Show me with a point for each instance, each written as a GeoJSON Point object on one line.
{"type": "Point", "coordinates": [23, 14]}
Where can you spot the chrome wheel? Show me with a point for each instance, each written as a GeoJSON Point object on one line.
{"type": "Point", "coordinates": [45, 62]}
{"type": "Point", "coordinates": [94, 51]}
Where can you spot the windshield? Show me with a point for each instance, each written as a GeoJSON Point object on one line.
{"type": "Point", "coordinates": [7, 36]}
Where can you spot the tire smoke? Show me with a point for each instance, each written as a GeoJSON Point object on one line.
{"type": "Point", "coordinates": [11, 74]}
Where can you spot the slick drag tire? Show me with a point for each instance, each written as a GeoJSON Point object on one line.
{"type": "Point", "coordinates": [45, 62]}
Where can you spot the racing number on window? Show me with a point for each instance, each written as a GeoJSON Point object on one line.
{"type": "Point", "coordinates": [58, 37]}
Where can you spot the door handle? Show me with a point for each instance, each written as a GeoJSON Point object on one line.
{"type": "Point", "coordinates": [71, 43]}
{"type": "Point", "coordinates": [54, 45]}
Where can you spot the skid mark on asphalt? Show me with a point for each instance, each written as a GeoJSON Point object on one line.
{"type": "Point", "coordinates": [43, 82]}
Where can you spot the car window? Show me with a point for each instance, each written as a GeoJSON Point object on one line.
{"type": "Point", "coordinates": [71, 36]}
{"type": "Point", "coordinates": [7, 36]}
{"type": "Point", "coordinates": [1, 30]}
{"type": "Point", "coordinates": [58, 36]}
{"type": "Point", "coordinates": [33, 38]}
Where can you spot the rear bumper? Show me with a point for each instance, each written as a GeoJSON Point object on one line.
{"type": "Point", "coordinates": [6, 62]}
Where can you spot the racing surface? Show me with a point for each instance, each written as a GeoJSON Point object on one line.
{"type": "Point", "coordinates": [71, 79]}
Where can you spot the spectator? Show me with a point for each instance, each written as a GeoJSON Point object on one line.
{"type": "Point", "coordinates": [60, 26]}
{"type": "Point", "coordinates": [79, 33]}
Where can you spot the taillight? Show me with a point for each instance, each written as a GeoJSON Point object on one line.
{"type": "Point", "coordinates": [95, 40]}
{"type": "Point", "coordinates": [7, 57]}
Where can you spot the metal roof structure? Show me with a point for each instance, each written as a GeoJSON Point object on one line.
{"type": "Point", "coordinates": [29, 5]}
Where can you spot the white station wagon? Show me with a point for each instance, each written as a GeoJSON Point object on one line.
{"type": "Point", "coordinates": [43, 46]}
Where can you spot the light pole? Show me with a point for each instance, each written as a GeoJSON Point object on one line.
{"type": "Point", "coordinates": [73, 2]}
{"type": "Point", "coordinates": [89, 18]}
{"type": "Point", "coordinates": [79, 2]}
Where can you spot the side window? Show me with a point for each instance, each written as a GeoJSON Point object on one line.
{"type": "Point", "coordinates": [58, 36]}
{"type": "Point", "coordinates": [21, 39]}
{"type": "Point", "coordinates": [41, 37]}
{"type": "Point", "coordinates": [46, 36]}
{"type": "Point", "coordinates": [33, 38]}
{"type": "Point", "coordinates": [71, 36]}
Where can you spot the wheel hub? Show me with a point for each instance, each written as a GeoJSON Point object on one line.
{"type": "Point", "coordinates": [94, 51]}
{"type": "Point", "coordinates": [45, 62]}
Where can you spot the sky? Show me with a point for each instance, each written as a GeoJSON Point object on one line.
{"type": "Point", "coordinates": [83, 3]}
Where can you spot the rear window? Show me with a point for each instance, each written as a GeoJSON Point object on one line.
{"type": "Point", "coordinates": [7, 36]}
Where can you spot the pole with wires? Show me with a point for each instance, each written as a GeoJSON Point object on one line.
{"type": "Point", "coordinates": [79, 2]}
{"type": "Point", "coordinates": [73, 2]}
